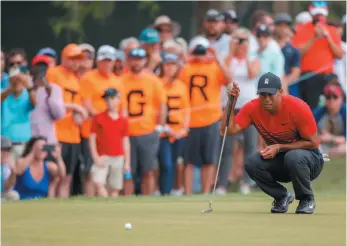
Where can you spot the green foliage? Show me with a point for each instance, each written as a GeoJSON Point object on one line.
{"type": "Point", "coordinates": [76, 13]}
{"type": "Point", "coordinates": [150, 6]}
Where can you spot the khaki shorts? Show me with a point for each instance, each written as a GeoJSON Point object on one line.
{"type": "Point", "coordinates": [111, 173]}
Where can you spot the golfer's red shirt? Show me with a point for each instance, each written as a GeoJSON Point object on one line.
{"type": "Point", "coordinates": [293, 121]}
{"type": "Point", "coordinates": [109, 134]}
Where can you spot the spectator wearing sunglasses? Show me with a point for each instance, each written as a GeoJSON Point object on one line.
{"type": "Point", "coordinates": [166, 28]}
{"type": "Point", "coordinates": [8, 173]}
{"type": "Point", "coordinates": [88, 62]}
{"type": "Point", "coordinates": [51, 54]}
{"type": "Point", "coordinates": [150, 42]}
{"type": "Point", "coordinates": [147, 115]}
{"type": "Point", "coordinates": [319, 44]}
{"type": "Point", "coordinates": [231, 21]}
{"type": "Point", "coordinates": [331, 121]}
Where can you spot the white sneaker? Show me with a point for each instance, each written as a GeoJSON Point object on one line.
{"type": "Point", "coordinates": [177, 192]}
{"type": "Point", "coordinates": [244, 188]}
{"type": "Point", "coordinates": [156, 193]}
{"type": "Point", "coordinates": [220, 191]}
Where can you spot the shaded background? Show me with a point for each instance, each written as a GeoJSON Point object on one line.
{"type": "Point", "coordinates": [33, 25]}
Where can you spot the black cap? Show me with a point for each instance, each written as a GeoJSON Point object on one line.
{"type": "Point", "coordinates": [110, 92]}
{"type": "Point", "coordinates": [214, 15]}
{"type": "Point", "coordinates": [231, 15]}
{"type": "Point", "coordinates": [262, 30]}
{"type": "Point", "coordinates": [269, 83]}
{"type": "Point", "coordinates": [283, 18]}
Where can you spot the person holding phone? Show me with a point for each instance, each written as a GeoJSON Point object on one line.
{"type": "Point", "coordinates": [319, 44]}
{"type": "Point", "coordinates": [50, 106]}
{"type": "Point", "coordinates": [34, 173]}
{"type": "Point", "coordinates": [245, 69]}
{"type": "Point", "coordinates": [110, 147]}
{"type": "Point", "coordinates": [17, 103]}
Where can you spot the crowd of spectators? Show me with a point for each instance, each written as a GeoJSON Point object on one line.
{"type": "Point", "coordinates": [144, 118]}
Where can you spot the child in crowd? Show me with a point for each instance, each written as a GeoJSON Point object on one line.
{"type": "Point", "coordinates": [110, 147]}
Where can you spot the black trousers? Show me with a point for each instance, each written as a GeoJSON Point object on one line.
{"type": "Point", "coordinates": [297, 166]}
{"type": "Point", "coordinates": [311, 88]}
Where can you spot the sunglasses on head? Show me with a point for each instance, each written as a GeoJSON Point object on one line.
{"type": "Point", "coordinates": [331, 96]}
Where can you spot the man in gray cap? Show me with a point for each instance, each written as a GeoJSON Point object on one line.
{"type": "Point", "coordinates": [8, 174]}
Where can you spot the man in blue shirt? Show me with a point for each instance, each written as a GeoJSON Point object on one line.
{"type": "Point", "coordinates": [282, 35]}
{"type": "Point", "coordinates": [17, 103]}
{"type": "Point", "coordinates": [270, 60]}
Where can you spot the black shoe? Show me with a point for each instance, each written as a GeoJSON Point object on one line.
{"type": "Point", "coordinates": [281, 205]}
{"type": "Point", "coordinates": [306, 206]}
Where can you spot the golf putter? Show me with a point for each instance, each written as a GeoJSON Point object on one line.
{"type": "Point", "coordinates": [231, 101]}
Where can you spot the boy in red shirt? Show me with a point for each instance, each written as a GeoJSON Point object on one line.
{"type": "Point", "coordinates": [110, 147]}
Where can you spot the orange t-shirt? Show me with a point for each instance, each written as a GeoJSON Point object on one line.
{"type": "Point", "coordinates": [293, 121]}
{"type": "Point", "coordinates": [319, 58]}
{"type": "Point", "coordinates": [204, 81]}
{"type": "Point", "coordinates": [66, 129]}
{"type": "Point", "coordinates": [93, 85]}
{"type": "Point", "coordinates": [177, 104]}
{"type": "Point", "coordinates": [144, 93]}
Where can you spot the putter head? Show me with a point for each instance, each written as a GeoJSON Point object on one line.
{"type": "Point", "coordinates": [209, 210]}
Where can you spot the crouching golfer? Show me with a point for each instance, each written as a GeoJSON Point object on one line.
{"type": "Point", "coordinates": [288, 127]}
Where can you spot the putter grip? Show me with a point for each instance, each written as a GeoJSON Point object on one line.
{"type": "Point", "coordinates": [231, 102]}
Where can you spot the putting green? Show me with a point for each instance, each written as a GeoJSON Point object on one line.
{"type": "Point", "coordinates": [170, 221]}
{"type": "Point", "coordinates": [177, 221]}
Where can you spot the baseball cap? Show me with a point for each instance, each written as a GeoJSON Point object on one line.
{"type": "Point", "coordinates": [110, 93]}
{"type": "Point", "coordinates": [169, 58]}
{"type": "Point", "coordinates": [149, 36]}
{"type": "Point", "coordinates": [230, 15]}
{"type": "Point", "coordinates": [106, 52]}
{"type": "Point", "coordinates": [5, 143]}
{"type": "Point", "coordinates": [283, 18]}
{"type": "Point", "coordinates": [72, 51]}
{"type": "Point", "coordinates": [269, 83]}
{"type": "Point", "coordinates": [40, 59]}
{"type": "Point", "coordinates": [262, 30]}
{"type": "Point", "coordinates": [318, 7]}
{"type": "Point", "coordinates": [87, 47]}
{"type": "Point", "coordinates": [303, 17]}
{"type": "Point", "coordinates": [214, 15]}
{"type": "Point", "coordinates": [47, 51]}
{"type": "Point", "coordinates": [199, 41]}
{"type": "Point", "coordinates": [120, 55]}
{"type": "Point", "coordinates": [137, 53]}
{"type": "Point", "coordinates": [332, 90]}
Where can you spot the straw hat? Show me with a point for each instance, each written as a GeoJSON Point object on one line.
{"type": "Point", "coordinates": [165, 20]}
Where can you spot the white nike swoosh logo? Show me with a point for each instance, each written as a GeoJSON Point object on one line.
{"type": "Point", "coordinates": [311, 206]}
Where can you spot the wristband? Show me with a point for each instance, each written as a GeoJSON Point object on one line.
{"type": "Point", "coordinates": [159, 128]}
{"type": "Point", "coordinates": [127, 176]}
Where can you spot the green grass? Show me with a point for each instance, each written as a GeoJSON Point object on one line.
{"type": "Point", "coordinates": [166, 221]}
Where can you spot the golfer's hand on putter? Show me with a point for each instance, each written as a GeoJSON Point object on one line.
{"type": "Point", "coordinates": [233, 90]}
{"type": "Point", "coordinates": [270, 151]}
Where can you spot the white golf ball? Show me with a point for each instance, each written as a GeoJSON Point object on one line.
{"type": "Point", "coordinates": [127, 226]}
